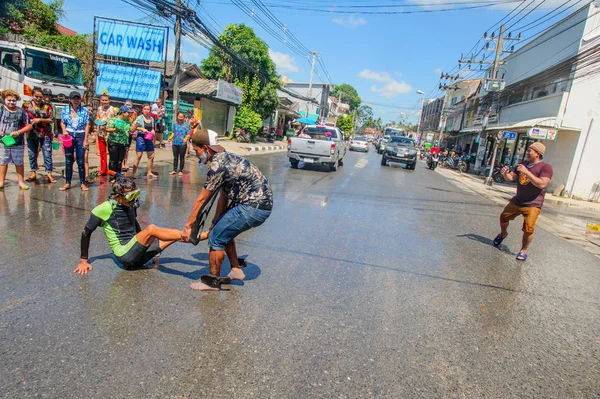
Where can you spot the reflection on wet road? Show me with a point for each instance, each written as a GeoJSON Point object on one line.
{"type": "Point", "coordinates": [366, 282]}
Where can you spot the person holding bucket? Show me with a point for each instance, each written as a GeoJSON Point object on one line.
{"type": "Point", "coordinates": [118, 129]}
{"type": "Point", "coordinates": [14, 123]}
{"type": "Point", "coordinates": [75, 125]}
{"type": "Point", "coordinates": [144, 125]}
{"type": "Point", "coordinates": [42, 116]}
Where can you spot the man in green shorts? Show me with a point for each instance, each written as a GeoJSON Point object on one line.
{"type": "Point", "coordinates": [132, 246]}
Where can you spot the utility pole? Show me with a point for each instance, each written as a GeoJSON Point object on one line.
{"type": "Point", "coordinates": [443, 118]}
{"type": "Point", "coordinates": [177, 61]}
{"type": "Point", "coordinates": [493, 83]}
{"type": "Point", "coordinates": [312, 71]}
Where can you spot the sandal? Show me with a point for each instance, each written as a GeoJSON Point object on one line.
{"type": "Point", "coordinates": [84, 187]}
{"type": "Point", "coordinates": [498, 240]}
{"type": "Point", "coordinates": [31, 178]}
{"type": "Point", "coordinates": [23, 188]}
{"type": "Point", "coordinates": [522, 256]}
{"type": "Point", "coordinates": [65, 187]}
{"type": "Point", "coordinates": [51, 179]}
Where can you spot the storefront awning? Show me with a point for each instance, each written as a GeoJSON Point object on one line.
{"type": "Point", "coordinates": [526, 124]}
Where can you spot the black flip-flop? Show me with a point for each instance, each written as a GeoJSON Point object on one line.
{"type": "Point", "coordinates": [214, 281]}
{"type": "Point", "coordinates": [498, 240]}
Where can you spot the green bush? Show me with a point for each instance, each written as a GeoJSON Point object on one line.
{"type": "Point", "coordinates": [247, 120]}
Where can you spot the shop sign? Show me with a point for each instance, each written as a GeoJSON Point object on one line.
{"type": "Point", "coordinates": [542, 134]}
{"type": "Point", "coordinates": [130, 40]}
{"type": "Point", "coordinates": [128, 82]}
{"type": "Point", "coordinates": [229, 92]}
{"type": "Point", "coordinates": [477, 120]}
{"type": "Point", "coordinates": [493, 118]}
{"type": "Point", "coordinates": [509, 135]}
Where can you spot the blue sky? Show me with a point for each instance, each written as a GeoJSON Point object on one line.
{"type": "Point", "coordinates": [385, 57]}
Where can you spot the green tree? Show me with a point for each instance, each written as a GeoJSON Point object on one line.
{"type": "Point", "coordinates": [345, 123]}
{"type": "Point", "coordinates": [30, 17]}
{"type": "Point", "coordinates": [260, 92]}
{"type": "Point", "coordinates": [349, 96]}
{"type": "Point", "coordinates": [364, 112]}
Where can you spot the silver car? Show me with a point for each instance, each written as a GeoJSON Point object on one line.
{"type": "Point", "coordinates": [359, 143]}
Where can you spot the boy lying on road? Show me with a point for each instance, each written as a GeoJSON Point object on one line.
{"type": "Point", "coordinates": [132, 246]}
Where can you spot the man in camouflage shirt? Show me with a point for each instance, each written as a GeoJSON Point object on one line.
{"type": "Point", "coordinates": [245, 201]}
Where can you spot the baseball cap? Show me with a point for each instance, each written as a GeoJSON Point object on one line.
{"type": "Point", "coordinates": [74, 94]}
{"type": "Point", "coordinates": [207, 137]}
{"type": "Point", "coordinates": [46, 92]}
{"type": "Point", "coordinates": [124, 108]}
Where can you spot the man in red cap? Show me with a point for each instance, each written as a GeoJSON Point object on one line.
{"type": "Point", "coordinates": [534, 176]}
{"type": "Point", "coordinates": [245, 201]}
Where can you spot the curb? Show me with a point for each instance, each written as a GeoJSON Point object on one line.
{"type": "Point", "coordinates": [267, 148]}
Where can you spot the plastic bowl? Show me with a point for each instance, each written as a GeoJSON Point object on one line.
{"type": "Point", "coordinates": [8, 141]}
{"type": "Point", "coordinates": [67, 141]}
{"type": "Point", "coordinates": [149, 135]}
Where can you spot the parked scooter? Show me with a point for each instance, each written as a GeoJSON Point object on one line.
{"type": "Point", "coordinates": [432, 161]}
{"type": "Point", "coordinates": [242, 137]}
{"type": "Point", "coordinates": [496, 174]}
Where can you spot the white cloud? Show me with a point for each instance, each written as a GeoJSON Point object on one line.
{"type": "Point", "coordinates": [390, 87]}
{"type": "Point", "coordinates": [284, 62]}
{"type": "Point", "coordinates": [438, 71]}
{"type": "Point", "coordinates": [349, 21]}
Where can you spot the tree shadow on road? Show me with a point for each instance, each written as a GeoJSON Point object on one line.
{"type": "Point", "coordinates": [486, 241]}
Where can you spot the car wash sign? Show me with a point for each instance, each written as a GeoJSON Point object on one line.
{"type": "Point", "coordinates": [131, 40]}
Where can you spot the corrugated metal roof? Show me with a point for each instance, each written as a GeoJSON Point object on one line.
{"type": "Point", "coordinates": [199, 86]}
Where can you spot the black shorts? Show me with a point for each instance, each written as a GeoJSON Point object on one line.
{"type": "Point", "coordinates": [159, 127]}
{"type": "Point", "coordinates": [138, 255]}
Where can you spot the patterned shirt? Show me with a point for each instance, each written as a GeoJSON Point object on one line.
{"type": "Point", "coordinates": [121, 135]}
{"type": "Point", "coordinates": [83, 119]}
{"type": "Point", "coordinates": [11, 121]}
{"type": "Point", "coordinates": [44, 111]}
{"type": "Point", "coordinates": [243, 183]}
{"type": "Point", "coordinates": [180, 132]}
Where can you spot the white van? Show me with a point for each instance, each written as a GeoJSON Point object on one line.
{"type": "Point", "coordinates": [24, 67]}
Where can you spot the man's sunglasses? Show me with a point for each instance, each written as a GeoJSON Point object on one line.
{"type": "Point", "coordinates": [133, 195]}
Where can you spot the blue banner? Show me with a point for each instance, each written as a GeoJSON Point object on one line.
{"type": "Point", "coordinates": [130, 40]}
{"type": "Point", "coordinates": [128, 82]}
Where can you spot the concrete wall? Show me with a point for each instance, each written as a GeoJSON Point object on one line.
{"type": "Point", "coordinates": [549, 106]}
{"type": "Point", "coordinates": [559, 154]}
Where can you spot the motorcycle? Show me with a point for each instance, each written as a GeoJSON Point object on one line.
{"type": "Point", "coordinates": [242, 137]}
{"type": "Point", "coordinates": [432, 161]}
{"type": "Point", "coordinates": [496, 174]}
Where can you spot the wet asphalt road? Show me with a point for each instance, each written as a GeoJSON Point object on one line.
{"type": "Point", "coordinates": [367, 282]}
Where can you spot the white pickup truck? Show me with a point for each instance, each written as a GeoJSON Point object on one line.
{"type": "Point", "coordinates": [318, 144]}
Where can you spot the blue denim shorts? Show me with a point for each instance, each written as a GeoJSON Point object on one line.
{"type": "Point", "coordinates": [233, 222]}
{"type": "Point", "coordinates": [143, 145]}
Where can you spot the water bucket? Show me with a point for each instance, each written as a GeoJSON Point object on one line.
{"type": "Point", "coordinates": [168, 146]}
{"type": "Point", "coordinates": [149, 135]}
{"type": "Point", "coordinates": [67, 141]}
{"type": "Point", "coordinates": [8, 141]}
{"type": "Point", "coordinates": [55, 145]}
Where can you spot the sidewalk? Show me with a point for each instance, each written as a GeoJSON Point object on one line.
{"type": "Point", "coordinates": [563, 217]}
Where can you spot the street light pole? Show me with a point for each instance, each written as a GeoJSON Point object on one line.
{"type": "Point", "coordinates": [419, 134]}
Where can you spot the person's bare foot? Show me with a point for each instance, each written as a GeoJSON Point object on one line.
{"type": "Point", "coordinates": [84, 187]}
{"type": "Point", "coordinates": [23, 187]}
{"type": "Point", "coordinates": [172, 173]}
{"type": "Point", "coordinates": [31, 177]}
{"type": "Point", "coordinates": [236, 274]}
{"type": "Point", "coordinates": [65, 187]}
{"type": "Point", "coordinates": [180, 173]}
{"type": "Point", "coordinates": [50, 178]}
{"type": "Point", "coordinates": [152, 175]}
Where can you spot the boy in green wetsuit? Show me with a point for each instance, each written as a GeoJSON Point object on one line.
{"type": "Point", "coordinates": [132, 246]}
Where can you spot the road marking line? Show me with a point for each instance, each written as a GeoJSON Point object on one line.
{"type": "Point", "coordinates": [362, 163]}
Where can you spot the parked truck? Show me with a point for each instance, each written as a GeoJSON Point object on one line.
{"type": "Point", "coordinates": [319, 145]}
{"type": "Point", "coordinates": [24, 66]}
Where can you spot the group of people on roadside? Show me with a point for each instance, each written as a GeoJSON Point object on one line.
{"type": "Point", "coordinates": [112, 129]}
